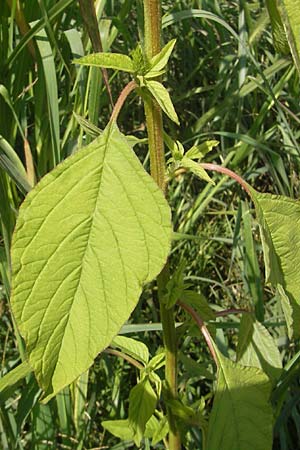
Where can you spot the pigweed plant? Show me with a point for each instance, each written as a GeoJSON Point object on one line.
{"type": "Point", "coordinates": [97, 228]}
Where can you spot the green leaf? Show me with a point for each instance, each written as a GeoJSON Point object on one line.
{"type": "Point", "coordinates": [88, 237]}
{"type": "Point", "coordinates": [115, 61]}
{"type": "Point", "coordinates": [159, 61]}
{"type": "Point", "coordinates": [142, 403]}
{"type": "Point", "coordinates": [119, 428]}
{"type": "Point", "coordinates": [290, 310]}
{"type": "Point", "coordinates": [12, 379]}
{"type": "Point", "coordinates": [291, 20]}
{"type": "Point", "coordinates": [132, 347]}
{"type": "Point", "coordinates": [163, 98]}
{"type": "Point", "coordinates": [241, 418]}
{"type": "Point", "coordinates": [161, 431]}
{"type": "Point", "coordinates": [194, 167]}
{"type": "Point", "coordinates": [199, 302]}
{"type": "Point", "coordinates": [279, 220]}
{"type": "Point", "coordinates": [279, 36]}
{"type": "Point", "coordinates": [199, 151]}
{"type": "Point", "coordinates": [256, 348]}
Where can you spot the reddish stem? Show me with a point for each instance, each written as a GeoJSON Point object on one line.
{"type": "Point", "coordinates": [202, 328]}
{"type": "Point", "coordinates": [120, 102]}
{"type": "Point", "coordinates": [225, 312]}
{"type": "Point", "coordinates": [228, 172]}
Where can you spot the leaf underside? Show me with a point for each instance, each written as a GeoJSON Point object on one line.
{"type": "Point", "coordinates": [88, 237]}
{"type": "Point", "coordinates": [241, 418]}
{"type": "Point", "coordinates": [279, 219]}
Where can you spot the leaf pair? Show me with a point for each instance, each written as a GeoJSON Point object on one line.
{"type": "Point", "coordinates": [144, 71]}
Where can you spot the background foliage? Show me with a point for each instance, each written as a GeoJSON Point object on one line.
{"type": "Point", "coordinates": [227, 83]}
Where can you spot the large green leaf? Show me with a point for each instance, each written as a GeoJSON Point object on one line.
{"type": "Point", "coordinates": [88, 237]}
{"type": "Point", "coordinates": [241, 418]}
{"type": "Point", "coordinates": [279, 219]}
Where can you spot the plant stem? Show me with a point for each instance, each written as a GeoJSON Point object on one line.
{"type": "Point", "coordinates": [152, 36]}
{"type": "Point", "coordinates": [122, 97]}
{"type": "Point", "coordinates": [202, 327]}
{"type": "Point", "coordinates": [229, 173]}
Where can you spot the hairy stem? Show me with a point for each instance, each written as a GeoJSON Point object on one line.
{"type": "Point", "coordinates": [152, 27]}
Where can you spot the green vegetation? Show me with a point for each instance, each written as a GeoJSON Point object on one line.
{"type": "Point", "coordinates": [149, 223]}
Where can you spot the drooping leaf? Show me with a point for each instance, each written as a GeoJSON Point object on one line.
{"type": "Point", "coordinates": [163, 98]}
{"type": "Point", "coordinates": [279, 220]}
{"type": "Point", "coordinates": [115, 61]}
{"type": "Point", "coordinates": [194, 167]}
{"type": "Point", "coordinates": [241, 418]}
{"type": "Point", "coordinates": [88, 237]}
{"type": "Point", "coordinates": [138, 350]}
{"type": "Point", "coordinates": [159, 61]}
{"type": "Point", "coordinates": [12, 379]}
{"type": "Point", "coordinates": [291, 19]}
{"type": "Point", "coordinates": [256, 348]}
{"type": "Point", "coordinates": [142, 403]}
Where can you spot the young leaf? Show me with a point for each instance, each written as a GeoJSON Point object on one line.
{"type": "Point", "coordinates": [256, 348]}
{"type": "Point", "coordinates": [132, 347]}
{"type": "Point", "coordinates": [161, 431]}
{"type": "Point", "coordinates": [88, 236]}
{"type": "Point", "coordinates": [142, 403]}
{"type": "Point", "coordinates": [242, 416]}
{"type": "Point", "coordinates": [194, 167]}
{"type": "Point", "coordinates": [163, 98]}
{"type": "Point", "coordinates": [115, 61]}
{"type": "Point", "coordinates": [279, 220]}
{"type": "Point", "coordinates": [119, 428]}
{"type": "Point", "coordinates": [199, 151]}
{"type": "Point", "coordinates": [159, 61]}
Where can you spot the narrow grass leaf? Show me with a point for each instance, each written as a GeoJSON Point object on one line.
{"type": "Point", "coordinates": [49, 71]}
{"type": "Point", "coordinates": [75, 258]}
{"type": "Point", "coordinates": [12, 379]}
